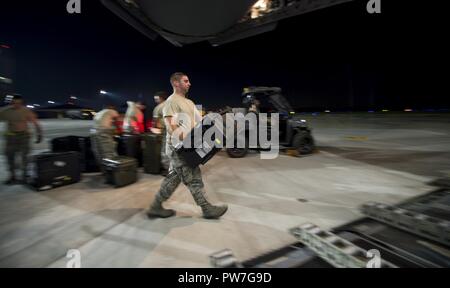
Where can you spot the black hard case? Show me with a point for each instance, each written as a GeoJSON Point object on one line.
{"type": "Point", "coordinates": [151, 150]}
{"type": "Point", "coordinates": [51, 170]}
{"type": "Point", "coordinates": [120, 171]}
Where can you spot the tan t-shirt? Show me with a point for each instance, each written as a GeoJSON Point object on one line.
{"type": "Point", "coordinates": [158, 114]}
{"type": "Point", "coordinates": [183, 111]}
{"type": "Point", "coordinates": [105, 118]}
{"type": "Point", "coordinates": [17, 119]}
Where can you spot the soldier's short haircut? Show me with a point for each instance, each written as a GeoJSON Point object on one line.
{"type": "Point", "coordinates": [176, 76]}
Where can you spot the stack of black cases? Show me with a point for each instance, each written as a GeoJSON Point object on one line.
{"type": "Point", "coordinates": [199, 151]}
{"type": "Point", "coordinates": [51, 170]}
{"type": "Point", "coordinates": [151, 148]}
{"type": "Point", "coordinates": [120, 171]}
{"type": "Point", "coordinates": [130, 145]}
{"type": "Point", "coordinates": [80, 144]}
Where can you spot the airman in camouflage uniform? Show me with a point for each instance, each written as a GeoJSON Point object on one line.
{"type": "Point", "coordinates": [102, 134]}
{"type": "Point", "coordinates": [17, 135]}
{"type": "Point", "coordinates": [175, 106]}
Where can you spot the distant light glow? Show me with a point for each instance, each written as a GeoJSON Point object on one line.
{"type": "Point", "coordinates": [51, 102]}
{"type": "Point", "coordinates": [259, 8]}
{"type": "Point", "coordinates": [6, 80]}
{"type": "Point", "coordinates": [370, 111]}
{"type": "Point", "coordinates": [36, 105]}
{"type": "Point", "coordinates": [73, 97]}
{"type": "Point", "coordinates": [261, 4]}
{"type": "Point", "coordinates": [5, 46]}
{"type": "Point", "coordinates": [408, 110]}
{"type": "Point", "coordinates": [385, 110]}
{"type": "Point", "coordinates": [103, 92]}
{"type": "Point", "coordinates": [30, 106]}
{"type": "Point", "coordinates": [327, 111]}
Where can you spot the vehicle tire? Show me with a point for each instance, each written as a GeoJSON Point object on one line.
{"type": "Point", "coordinates": [303, 142]}
{"type": "Point", "coordinates": [237, 152]}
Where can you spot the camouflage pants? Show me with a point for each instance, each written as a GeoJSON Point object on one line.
{"type": "Point", "coordinates": [165, 161]}
{"type": "Point", "coordinates": [180, 172]}
{"type": "Point", "coordinates": [17, 142]}
{"type": "Point", "coordinates": [103, 144]}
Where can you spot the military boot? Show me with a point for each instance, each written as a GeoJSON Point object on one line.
{"type": "Point", "coordinates": [156, 210]}
{"type": "Point", "coordinates": [209, 211]}
{"type": "Point", "coordinates": [212, 211]}
{"type": "Point", "coordinates": [11, 181]}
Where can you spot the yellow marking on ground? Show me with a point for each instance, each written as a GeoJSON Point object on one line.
{"type": "Point", "coordinates": [356, 138]}
{"type": "Point", "coordinates": [292, 152]}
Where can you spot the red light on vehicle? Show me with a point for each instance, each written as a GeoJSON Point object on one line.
{"type": "Point", "coordinates": [5, 46]}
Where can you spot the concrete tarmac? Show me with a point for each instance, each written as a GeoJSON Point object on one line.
{"type": "Point", "coordinates": [383, 157]}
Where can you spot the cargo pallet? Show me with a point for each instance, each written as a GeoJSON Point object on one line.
{"type": "Point", "coordinates": [412, 234]}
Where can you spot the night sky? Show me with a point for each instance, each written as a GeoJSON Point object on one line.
{"type": "Point", "coordinates": [337, 58]}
